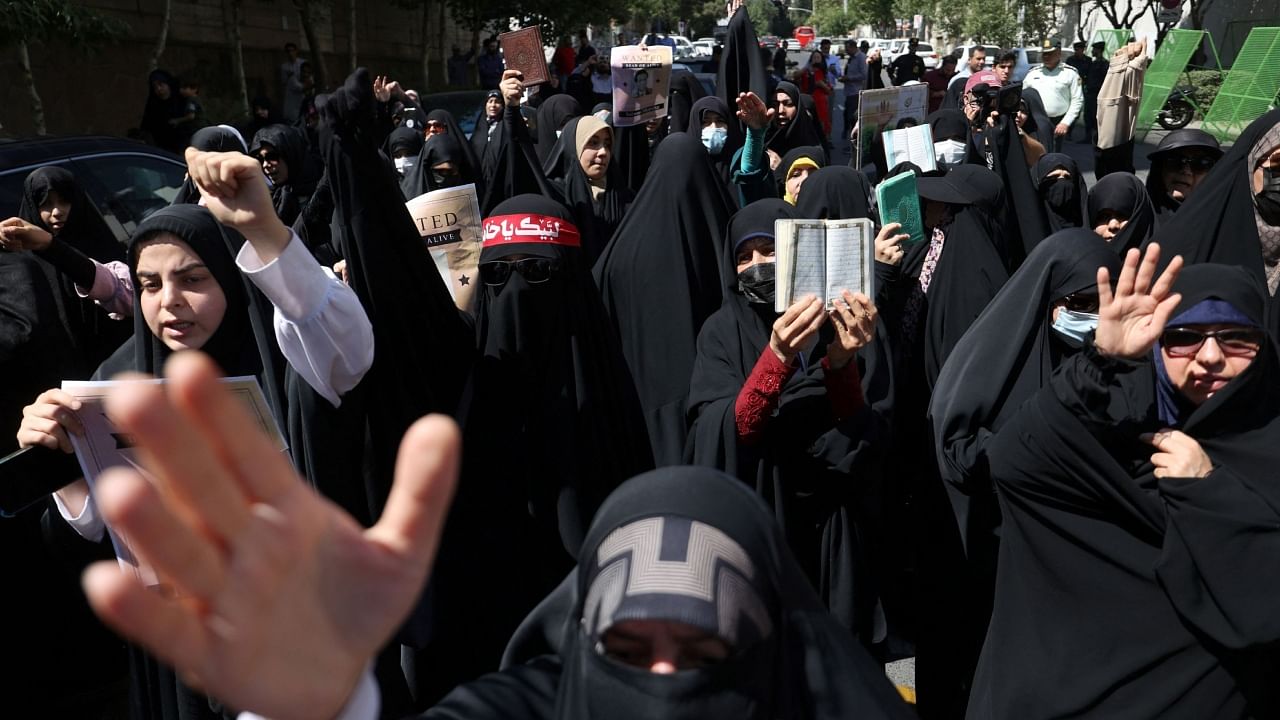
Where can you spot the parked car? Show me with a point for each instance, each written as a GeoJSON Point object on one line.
{"type": "Point", "coordinates": [931, 58]}
{"type": "Point", "coordinates": [704, 47]}
{"type": "Point", "coordinates": [684, 48]}
{"type": "Point", "coordinates": [770, 42]}
{"type": "Point", "coordinates": [793, 45]}
{"type": "Point", "coordinates": [126, 180]}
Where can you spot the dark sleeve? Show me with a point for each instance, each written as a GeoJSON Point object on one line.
{"type": "Point", "coordinates": [518, 170]}
{"type": "Point", "coordinates": [314, 225]}
{"type": "Point", "coordinates": [78, 266]}
{"type": "Point", "coordinates": [522, 692]}
{"type": "Point", "coordinates": [844, 389]}
{"type": "Point", "coordinates": [18, 309]}
{"type": "Point", "coordinates": [1220, 563]}
{"type": "Point", "coordinates": [1104, 393]}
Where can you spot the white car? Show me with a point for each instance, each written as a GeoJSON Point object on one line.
{"type": "Point", "coordinates": [684, 48]}
{"type": "Point", "coordinates": [793, 45]}
{"type": "Point", "coordinates": [962, 54]}
{"type": "Point", "coordinates": [931, 57]}
{"type": "Point", "coordinates": [704, 47]}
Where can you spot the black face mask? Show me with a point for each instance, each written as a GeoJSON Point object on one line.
{"type": "Point", "coordinates": [1267, 200]}
{"type": "Point", "coordinates": [1060, 193]}
{"type": "Point", "coordinates": [441, 180]}
{"type": "Point", "coordinates": [756, 283]}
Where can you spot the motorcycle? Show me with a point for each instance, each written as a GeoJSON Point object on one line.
{"type": "Point", "coordinates": [1178, 109]}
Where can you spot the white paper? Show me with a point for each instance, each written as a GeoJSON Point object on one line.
{"type": "Point", "coordinates": [641, 79]}
{"type": "Point", "coordinates": [449, 222]}
{"type": "Point", "coordinates": [822, 258]}
{"type": "Point", "coordinates": [102, 446]}
{"type": "Point", "coordinates": [850, 247]}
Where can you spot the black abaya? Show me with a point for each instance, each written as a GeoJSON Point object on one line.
{"type": "Point", "coordinates": [291, 196]}
{"type": "Point", "coordinates": [552, 117]}
{"type": "Point", "coordinates": [1155, 596]}
{"type": "Point", "coordinates": [1066, 201]}
{"type": "Point", "coordinates": [741, 70]}
{"type": "Point", "coordinates": [819, 475]}
{"type": "Point", "coordinates": [1218, 223]}
{"type": "Point", "coordinates": [660, 279]}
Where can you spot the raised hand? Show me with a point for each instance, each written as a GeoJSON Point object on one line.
{"type": "Point", "coordinates": [18, 234]}
{"type": "Point", "coordinates": [796, 327]}
{"type": "Point", "coordinates": [512, 86]}
{"type": "Point", "coordinates": [753, 112]}
{"type": "Point", "coordinates": [282, 598]}
{"type": "Point", "coordinates": [889, 244]}
{"type": "Point", "coordinates": [1131, 321]}
{"type": "Point", "coordinates": [234, 188]}
{"type": "Point", "coordinates": [854, 318]}
{"type": "Point", "coordinates": [380, 89]}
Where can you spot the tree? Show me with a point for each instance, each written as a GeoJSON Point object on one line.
{"type": "Point", "coordinates": [25, 22]}
{"type": "Point", "coordinates": [161, 37]}
{"type": "Point", "coordinates": [1123, 13]}
{"type": "Point", "coordinates": [307, 10]}
{"type": "Point", "coordinates": [231, 26]}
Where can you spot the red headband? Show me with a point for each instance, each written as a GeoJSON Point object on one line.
{"type": "Point", "coordinates": [529, 228]}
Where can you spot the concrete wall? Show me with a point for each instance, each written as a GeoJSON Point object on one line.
{"type": "Point", "coordinates": [105, 92]}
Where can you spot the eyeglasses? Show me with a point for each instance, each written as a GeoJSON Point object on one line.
{"type": "Point", "coordinates": [496, 273]}
{"type": "Point", "coordinates": [1237, 342]}
{"type": "Point", "coordinates": [1194, 163]}
{"type": "Point", "coordinates": [1081, 303]}
{"type": "Point", "coordinates": [267, 156]}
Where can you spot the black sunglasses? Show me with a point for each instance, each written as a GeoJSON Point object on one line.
{"type": "Point", "coordinates": [1238, 342]}
{"type": "Point", "coordinates": [1196, 164]}
{"type": "Point", "coordinates": [1081, 303]}
{"type": "Point", "coordinates": [496, 273]}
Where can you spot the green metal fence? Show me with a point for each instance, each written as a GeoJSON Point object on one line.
{"type": "Point", "coordinates": [1249, 90]}
{"type": "Point", "coordinates": [1113, 38]}
{"type": "Point", "coordinates": [1166, 67]}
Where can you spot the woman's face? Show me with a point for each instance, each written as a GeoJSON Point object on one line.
{"type": "Point", "coordinates": [662, 647]}
{"type": "Point", "coordinates": [273, 164]}
{"type": "Point", "coordinates": [54, 211]}
{"type": "Point", "coordinates": [493, 107]}
{"type": "Point", "coordinates": [1108, 224]}
{"type": "Point", "coordinates": [1205, 371]}
{"type": "Point", "coordinates": [815, 60]}
{"type": "Point", "coordinates": [786, 108]}
{"type": "Point", "coordinates": [796, 178]}
{"type": "Point", "coordinates": [402, 153]}
{"type": "Point", "coordinates": [755, 251]}
{"type": "Point", "coordinates": [712, 119]}
{"type": "Point", "coordinates": [594, 157]}
{"type": "Point", "coordinates": [1183, 170]}
{"type": "Point", "coordinates": [161, 89]}
{"type": "Point", "coordinates": [181, 301]}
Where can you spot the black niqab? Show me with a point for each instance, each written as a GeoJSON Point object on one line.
{"type": "Point", "coordinates": [805, 666]}
{"type": "Point", "coordinates": [660, 279]}
{"type": "Point", "coordinates": [1066, 201]}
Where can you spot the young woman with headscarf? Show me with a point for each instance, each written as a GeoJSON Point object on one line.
{"type": "Point", "coordinates": [813, 82]}
{"type": "Point", "coordinates": [1120, 212]}
{"type": "Point", "coordinates": [441, 121]}
{"type": "Point", "coordinates": [486, 139]}
{"type": "Point", "coordinates": [1234, 216]}
{"type": "Point", "coordinates": [660, 280]}
{"type": "Point", "coordinates": [709, 120]}
{"type": "Point", "coordinates": [796, 167]}
{"type": "Point", "coordinates": [79, 257]}
{"type": "Point", "coordinates": [950, 131]}
{"type": "Point", "coordinates": [282, 150]}
{"type": "Point", "coordinates": [551, 422]}
{"type": "Point", "coordinates": [780, 404]}
{"type": "Point", "coordinates": [793, 126]}
{"type": "Point", "coordinates": [443, 163]}
{"type": "Point", "coordinates": [1136, 489]}
{"type": "Point", "coordinates": [1062, 189]}
{"type": "Point", "coordinates": [1039, 318]}
{"type": "Point", "coordinates": [219, 138]}
{"type": "Point", "coordinates": [1178, 165]}
{"type": "Point", "coordinates": [587, 180]}
{"type": "Point", "coordinates": [404, 147]}
{"type": "Point", "coordinates": [190, 294]}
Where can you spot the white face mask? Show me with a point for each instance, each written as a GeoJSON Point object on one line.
{"type": "Point", "coordinates": [405, 164]}
{"type": "Point", "coordinates": [949, 153]}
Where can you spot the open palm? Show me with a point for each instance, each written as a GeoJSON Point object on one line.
{"type": "Point", "coordinates": [282, 598]}
{"type": "Point", "coordinates": [1131, 320]}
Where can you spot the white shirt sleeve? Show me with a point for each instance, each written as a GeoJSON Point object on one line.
{"type": "Point", "coordinates": [320, 324]}
{"type": "Point", "coordinates": [365, 702]}
{"type": "Point", "coordinates": [1077, 100]}
{"type": "Point", "coordinates": [88, 524]}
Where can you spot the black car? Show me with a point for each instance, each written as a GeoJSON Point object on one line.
{"type": "Point", "coordinates": [127, 180]}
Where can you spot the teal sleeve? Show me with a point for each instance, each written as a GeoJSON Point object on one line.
{"type": "Point", "coordinates": [752, 151]}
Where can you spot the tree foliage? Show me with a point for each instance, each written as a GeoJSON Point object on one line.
{"type": "Point", "coordinates": [30, 21]}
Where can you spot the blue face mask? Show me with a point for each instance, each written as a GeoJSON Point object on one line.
{"type": "Point", "coordinates": [714, 138]}
{"type": "Point", "coordinates": [1074, 327]}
